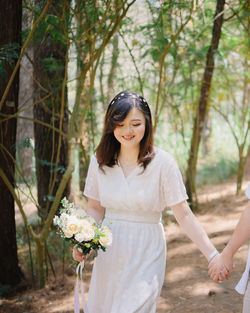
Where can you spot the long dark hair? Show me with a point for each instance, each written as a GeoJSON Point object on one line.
{"type": "Point", "coordinates": [109, 147]}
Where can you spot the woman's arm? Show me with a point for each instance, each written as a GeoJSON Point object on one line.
{"type": "Point", "coordinates": [193, 229]}
{"type": "Point", "coordinates": [238, 238]}
{"type": "Point", "coordinates": [241, 233]}
{"type": "Point", "coordinates": [95, 210]}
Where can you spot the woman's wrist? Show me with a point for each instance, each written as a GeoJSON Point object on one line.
{"type": "Point", "coordinates": [212, 255]}
{"type": "Point", "coordinates": [227, 252]}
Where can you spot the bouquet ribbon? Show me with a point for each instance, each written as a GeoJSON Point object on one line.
{"type": "Point", "coordinates": [79, 268]}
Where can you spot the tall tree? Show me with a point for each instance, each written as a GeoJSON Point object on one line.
{"type": "Point", "coordinates": [10, 43]}
{"type": "Point", "coordinates": [202, 108]}
{"type": "Point", "coordinates": [50, 98]}
{"type": "Point", "coordinates": [25, 129]}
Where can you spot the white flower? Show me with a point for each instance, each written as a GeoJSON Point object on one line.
{"type": "Point", "coordinates": [72, 226]}
{"type": "Point", "coordinates": [68, 234]}
{"type": "Point", "coordinates": [106, 240]}
{"type": "Point", "coordinates": [87, 230]}
{"type": "Point", "coordinates": [79, 237]}
{"type": "Point", "coordinates": [56, 220]}
{"type": "Point", "coordinates": [63, 220]}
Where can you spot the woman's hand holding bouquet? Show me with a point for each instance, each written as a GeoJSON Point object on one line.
{"type": "Point", "coordinates": [85, 235]}
{"type": "Point", "coordinates": [81, 230]}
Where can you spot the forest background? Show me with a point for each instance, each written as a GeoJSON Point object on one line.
{"type": "Point", "coordinates": [62, 62]}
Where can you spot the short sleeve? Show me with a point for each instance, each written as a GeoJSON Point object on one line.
{"type": "Point", "coordinates": [91, 186]}
{"type": "Point", "coordinates": [173, 187]}
{"type": "Point", "coordinates": [248, 192]}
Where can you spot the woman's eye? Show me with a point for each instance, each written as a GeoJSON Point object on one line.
{"type": "Point", "coordinates": [136, 125]}
{"type": "Point", "coordinates": [119, 125]}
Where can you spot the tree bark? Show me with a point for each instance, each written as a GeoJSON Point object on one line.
{"type": "Point", "coordinates": [114, 64]}
{"type": "Point", "coordinates": [10, 34]}
{"type": "Point", "coordinates": [51, 148]}
{"type": "Point", "coordinates": [25, 128]}
{"type": "Point", "coordinates": [241, 167]}
{"type": "Point", "coordinates": [202, 109]}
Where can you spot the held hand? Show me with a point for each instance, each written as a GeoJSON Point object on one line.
{"type": "Point", "coordinates": [77, 255]}
{"type": "Point", "coordinates": [220, 267]}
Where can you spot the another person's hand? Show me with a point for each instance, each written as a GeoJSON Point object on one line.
{"type": "Point", "coordinates": [77, 255]}
{"type": "Point", "coordinates": [220, 267]}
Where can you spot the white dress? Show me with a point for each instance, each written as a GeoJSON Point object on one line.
{"type": "Point", "coordinates": [242, 284]}
{"type": "Point", "coordinates": [128, 277]}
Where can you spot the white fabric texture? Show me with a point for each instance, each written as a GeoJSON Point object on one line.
{"type": "Point", "coordinates": [246, 300]}
{"type": "Point", "coordinates": [128, 277]}
{"type": "Point", "coordinates": [242, 284]}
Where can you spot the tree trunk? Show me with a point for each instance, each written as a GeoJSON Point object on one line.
{"type": "Point", "coordinates": [51, 148]}
{"type": "Point", "coordinates": [202, 109]}
{"type": "Point", "coordinates": [10, 35]}
{"type": "Point", "coordinates": [25, 128]}
{"type": "Point", "coordinates": [114, 64]}
{"type": "Point", "coordinates": [241, 167]}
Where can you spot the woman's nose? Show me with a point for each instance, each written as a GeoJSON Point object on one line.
{"type": "Point", "coordinates": [129, 129]}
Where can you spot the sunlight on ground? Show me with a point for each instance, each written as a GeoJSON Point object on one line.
{"type": "Point", "coordinates": [203, 288]}
{"type": "Point", "coordinates": [180, 273]}
{"type": "Point", "coordinates": [212, 192]}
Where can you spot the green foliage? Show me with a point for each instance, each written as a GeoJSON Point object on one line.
{"type": "Point", "coordinates": [216, 172]}
{"type": "Point", "coordinates": [9, 53]}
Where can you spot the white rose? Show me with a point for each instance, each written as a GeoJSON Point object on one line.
{"type": "Point", "coordinates": [73, 226]}
{"type": "Point", "coordinates": [106, 240]}
{"type": "Point", "coordinates": [87, 230]}
{"type": "Point", "coordinates": [63, 220]}
{"type": "Point", "coordinates": [79, 237]}
{"type": "Point", "coordinates": [68, 234]}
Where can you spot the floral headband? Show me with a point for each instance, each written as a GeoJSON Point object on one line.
{"type": "Point", "coordinates": [127, 94]}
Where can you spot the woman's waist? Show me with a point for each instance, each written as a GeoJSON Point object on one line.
{"type": "Point", "coordinates": [136, 216]}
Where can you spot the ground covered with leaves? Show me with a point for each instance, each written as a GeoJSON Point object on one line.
{"type": "Point", "coordinates": [187, 287]}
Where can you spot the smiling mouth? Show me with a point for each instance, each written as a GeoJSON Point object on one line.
{"type": "Point", "coordinates": [128, 138]}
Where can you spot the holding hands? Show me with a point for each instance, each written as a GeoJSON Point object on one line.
{"type": "Point", "coordinates": [221, 266]}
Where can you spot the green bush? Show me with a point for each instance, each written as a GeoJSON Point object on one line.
{"type": "Point", "coordinates": [215, 172]}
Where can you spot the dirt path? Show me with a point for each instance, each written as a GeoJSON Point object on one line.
{"type": "Point", "coordinates": [187, 287]}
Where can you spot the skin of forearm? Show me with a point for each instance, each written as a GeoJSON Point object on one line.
{"type": "Point", "coordinates": [97, 214]}
{"type": "Point", "coordinates": [193, 229]}
{"type": "Point", "coordinates": [241, 233]}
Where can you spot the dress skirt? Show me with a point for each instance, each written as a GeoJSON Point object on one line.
{"type": "Point", "coordinates": [128, 277]}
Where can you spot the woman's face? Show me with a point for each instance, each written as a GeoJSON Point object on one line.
{"type": "Point", "coordinates": [130, 131]}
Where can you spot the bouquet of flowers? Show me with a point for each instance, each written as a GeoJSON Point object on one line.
{"type": "Point", "coordinates": [81, 229]}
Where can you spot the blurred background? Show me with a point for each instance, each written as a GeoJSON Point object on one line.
{"type": "Point", "coordinates": [62, 62]}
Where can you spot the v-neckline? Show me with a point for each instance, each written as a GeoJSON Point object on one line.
{"type": "Point", "coordinates": [123, 174]}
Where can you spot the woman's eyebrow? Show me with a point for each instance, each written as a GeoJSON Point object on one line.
{"type": "Point", "coordinates": [136, 119]}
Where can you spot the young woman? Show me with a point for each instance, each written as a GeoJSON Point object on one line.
{"type": "Point", "coordinates": [239, 237]}
{"type": "Point", "coordinates": [129, 183]}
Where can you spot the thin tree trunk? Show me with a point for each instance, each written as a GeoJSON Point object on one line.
{"type": "Point", "coordinates": [83, 56]}
{"type": "Point", "coordinates": [51, 107]}
{"type": "Point", "coordinates": [111, 76]}
{"type": "Point", "coordinates": [241, 167]}
{"type": "Point", "coordinates": [10, 34]}
{"type": "Point", "coordinates": [202, 109]}
{"type": "Point", "coordinates": [51, 148]}
{"type": "Point", "coordinates": [25, 128]}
